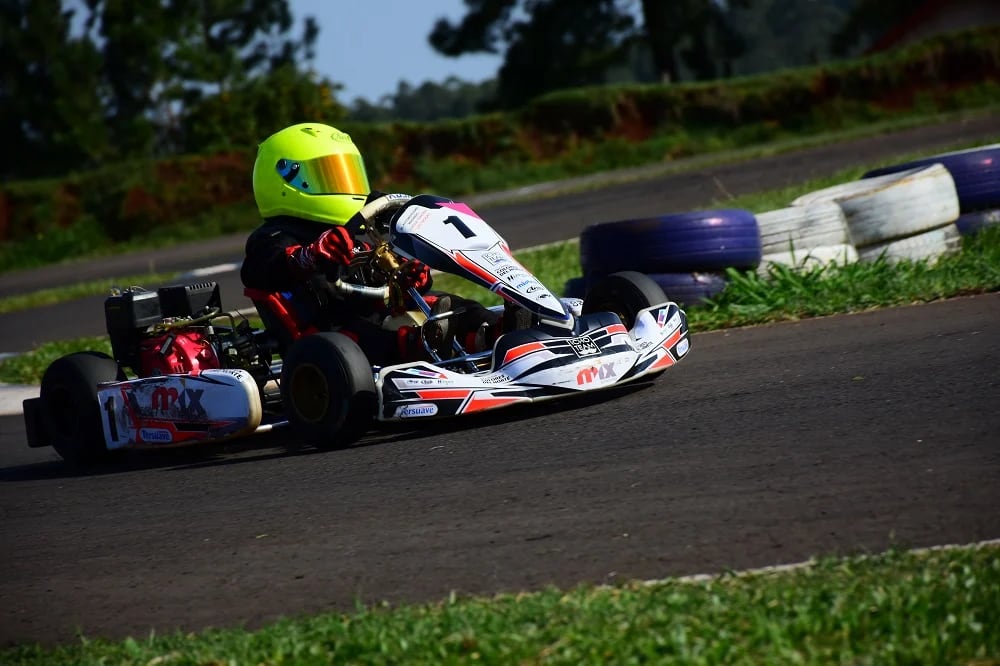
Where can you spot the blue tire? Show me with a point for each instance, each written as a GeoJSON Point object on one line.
{"type": "Point", "coordinates": [971, 223]}
{"type": "Point", "coordinates": [710, 240]}
{"type": "Point", "coordinates": [685, 289]}
{"type": "Point", "coordinates": [690, 288]}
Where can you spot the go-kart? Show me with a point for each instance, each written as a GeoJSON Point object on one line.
{"type": "Point", "coordinates": [200, 374]}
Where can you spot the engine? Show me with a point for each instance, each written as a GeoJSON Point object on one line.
{"type": "Point", "coordinates": [183, 351]}
{"type": "Point", "coordinates": [173, 330]}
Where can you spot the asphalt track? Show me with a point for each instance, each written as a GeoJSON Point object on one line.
{"type": "Point", "coordinates": [766, 445]}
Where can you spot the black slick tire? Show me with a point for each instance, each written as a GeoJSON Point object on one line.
{"type": "Point", "coordinates": [71, 409]}
{"type": "Point", "coordinates": [327, 390]}
{"type": "Point", "coordinates": [624, 294]}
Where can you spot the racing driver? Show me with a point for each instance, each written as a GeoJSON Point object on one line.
{"type": "Point", "coordinates": [309, 180]}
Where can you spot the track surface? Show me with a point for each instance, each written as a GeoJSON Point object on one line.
{"type": "Point", "coordinates": [765, 445]}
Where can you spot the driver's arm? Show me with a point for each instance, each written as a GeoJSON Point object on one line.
{"type": "Point", "coordinates": [276, 260]}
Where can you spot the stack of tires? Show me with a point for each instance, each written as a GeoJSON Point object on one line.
{"type": "Point", "coordinates": [908, 214]}
{"type": "Point", "coordinates": [802, 236]}
{"type": "Point", "coordinates": [686, 254]}
{"type": "Point", "coordinates": [976, 173]}
{"type": "Point", "coordinates": [916, 210]}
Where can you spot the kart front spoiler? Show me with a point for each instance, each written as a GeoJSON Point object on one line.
{"type": "Point", "coordinates": [535, 365]}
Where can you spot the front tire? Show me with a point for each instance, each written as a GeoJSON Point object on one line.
{"type": "Point", "coordinates": [625, 294]}
{"type": "Point", "coordinates": [70, 406]}
{"type": "Point", "coordinates": [327, 390]}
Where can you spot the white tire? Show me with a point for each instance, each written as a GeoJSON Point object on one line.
{"type": "Point", "coordinates": [928, 246]}
{"type": "Point", "coordinates": [840, 254]}
{"type": "Point", "coordinates": [894, 206]}
{"type": "Point", "coordinates": [802, 227]}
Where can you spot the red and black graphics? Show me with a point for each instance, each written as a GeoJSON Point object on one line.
{"type": "Point", "coordinates": [171, 410]}
{"type": "Point", "coordinates": [437, 399]}
{"type": "Point", "coordinates": [668, 352]}
{"type": "Point", "coordinates": [445, 401]}
{"type": "Point", "coordinates": [596, 335]}
{"type": "Point", "coordinates": [522, 371]}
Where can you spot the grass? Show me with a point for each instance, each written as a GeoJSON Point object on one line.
{"type": "Point", "coordinates": [87, 240]}
{"type": "Point", "coordinates": [897, 607]}
{"type": "Point", "coordinates": [65, 293]}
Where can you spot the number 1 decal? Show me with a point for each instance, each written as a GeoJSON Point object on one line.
{"type": "Point", "coordinates": [109, 407]}
{"type": "Point", "coordinates": [462, 227]}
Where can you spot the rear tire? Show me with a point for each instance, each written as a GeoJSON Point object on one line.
{"type": "Point", "coordinates": [624, 294]}
{"type": "Point", "coordinates": [70, 406]}
{"type": "Point", "coordinates": [327, 390]}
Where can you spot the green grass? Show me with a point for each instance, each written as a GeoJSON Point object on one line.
{"type": "Point", "coordinates": [937, 607]}
{"type": "Point", "coordinates": [784, 294]}
{"type": "Point", "coordinates": [62, 294]}
{"type": "Point", "coordinates": [87, 240]}
{"type": "Point", "coordinates": [28, 368]}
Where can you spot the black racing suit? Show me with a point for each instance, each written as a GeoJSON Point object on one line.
{"type": "Point", "coordinates": [267, 267]}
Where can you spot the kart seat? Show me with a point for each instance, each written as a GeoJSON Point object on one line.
{"type": "Point", "coordinates": [279, 315]}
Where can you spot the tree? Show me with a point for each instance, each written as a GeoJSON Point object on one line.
{"type": "Point", "coordinates": [548, 44]}
{"type": "Point", "coordinates": [162, 56]}
{"type": "Point", "coordinates": [248, 112]}
{"type": "Point", "coordinates": [868, 21]}
{"type": "Point", "coordinates": [133, 37]}
{"type": "Point", "coordinates": [562, 44]}
{"type": "Point", "coordinates": [699, 34]}
{"type": "Point", "coordinates": [223, 43]}
{"type": "Point", "coordinates": [453, 98]}
{"type": "Point", "coordinates": [787, 33]}
{"type": "Point", "coordinates": [135, 75]}
{"type": "Point", "coordinates": [51, 115]}
{"type": "Point", "coordinates": [551, 44]}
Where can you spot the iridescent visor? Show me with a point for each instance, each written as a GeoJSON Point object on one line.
{"type": "Point", "coordinates": [331, 174]}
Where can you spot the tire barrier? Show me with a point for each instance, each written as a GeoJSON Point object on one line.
{"type": "Point", "coordinates": [894, 206]}
{"type": "Point", "coordinates": [971, 223]}
{"type": "Point", "coordinates": [702, 241]}
{"type": "Point", "coordinates": [802, 228]}
{"type": "Point", "coordinates": [976, 173]}
{"type": "Point", "coordinates": [806, 259]}
{"type": "Point", "coordinates": [690, 288]}
{"type": "Point", "coordinates": [928, 246]}
{"type": "Point", "coordinates": [918, 210]}
{"type": "Point", "coordinates": [685, 289]}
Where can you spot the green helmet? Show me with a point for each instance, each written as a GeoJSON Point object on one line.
{"type": "Point", "coordinates": [312, 171]}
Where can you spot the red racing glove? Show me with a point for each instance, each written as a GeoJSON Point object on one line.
{"type": "Point", "coordinates": [415, 274]}
{"type": "Point", "coordinates": [334, 247]}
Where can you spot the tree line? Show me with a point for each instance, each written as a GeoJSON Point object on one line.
{"type": "Point", "coordinates": [92, 81]}
{"type": "Point", "coordinates": [87, 82]}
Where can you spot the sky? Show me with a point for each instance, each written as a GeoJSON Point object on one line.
{"type": "Point", "coordinates": [369, 46]}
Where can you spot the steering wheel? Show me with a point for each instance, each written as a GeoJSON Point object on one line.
{"type": "Point", "coordinates": [376, 215]}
